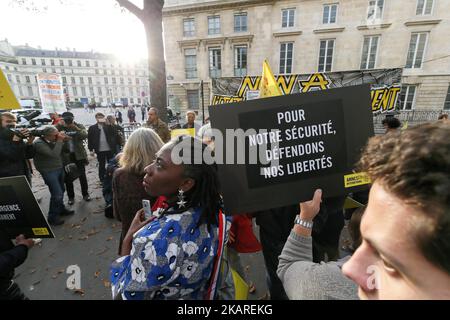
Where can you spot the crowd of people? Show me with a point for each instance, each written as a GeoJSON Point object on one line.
{"type": "Point", "coordinates": [400, 238]}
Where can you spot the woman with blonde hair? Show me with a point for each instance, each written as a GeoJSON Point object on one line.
{"type": "Point", "coordinates": [128, 191]}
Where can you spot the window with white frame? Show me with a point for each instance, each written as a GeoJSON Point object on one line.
{"type": "Point", "coordinates": [369, 53]}
{"type": "Point", "coordinates": [447, 100]}
{"type": "Point", "coordinates": [286, 55]}
{"type": "Point", "coordinates": [240, 61]}
{"type": "Point", "coordinates": [375, 10]}
{"type": "Point", "coordinates": [326, 55]}
{"type": "Point", "coordinates": [27, 79]}
{"type": "Point", "coordinates": [24, 61]}
{"type": "Point", "coordinates": [193, 99]}
{"type": "Point", "coordinates": [424, 7]}
{"type": "Point", "coordinates": [190, 58]}
{"type": "Point", "coordinates": [287, 18]}
{"type": "Point", "coordinates": [189, 27]}
{"type": "Point", "coordinates": [330, 13]}
{"type": "Point", "coordinates": [416, 52]}
{"type": "Point", "coordinates": [407, 97]}
{"type": "Point", "coordinates": [214, 25]}
{"type": "Point", "coordinates": [83, 91]}
{"type": "Point", "coordinates": [215, 62]}
{"type": "Point", "coordinates": [240, 22]}
{"type": "Point", "coordinates": [30, 91]}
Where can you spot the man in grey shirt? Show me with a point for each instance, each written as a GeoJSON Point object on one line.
{"type": "Point", "coordinates": [48, 161]}
{"type": "Point", "coordinates": [301, 277]}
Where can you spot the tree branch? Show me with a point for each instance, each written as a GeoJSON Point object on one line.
{"type": "Point", "coordinates": [132, 8]}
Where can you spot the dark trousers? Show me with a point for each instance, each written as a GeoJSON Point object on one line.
{"type": "Point", "coordinates": [103, 158]}
{"type": "Point", "coordinates": [271, 252]}
{"type": "Point", "coordinates": [83, 180]}
{"type": "Point", "coordinates": [12, 293]}
{"type": "Point", "coordinates": [55, 182]}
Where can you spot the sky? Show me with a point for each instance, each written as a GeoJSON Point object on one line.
{"type": "Point", "coordinates": [85, 25]}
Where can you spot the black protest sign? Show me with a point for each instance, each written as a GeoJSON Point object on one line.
{"type": "Point", "coordinates": [19, 211]}
{"type": "Point", "coordinates": [300, 143]}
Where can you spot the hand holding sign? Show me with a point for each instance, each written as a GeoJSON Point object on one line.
{"type": "Point", "coordinates": [21, 240]}
{"type": "Point", "coordinates": [310, 209]}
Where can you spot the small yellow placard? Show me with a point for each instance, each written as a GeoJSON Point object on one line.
{"type": "Point", "coordinates": [356, 179]}
{"type": "Point", "coordinates": [183, 132]}
{"type": "Point", "coordinates": [41, 232]}
{"type": "Point", "coordinates": [8, 100]}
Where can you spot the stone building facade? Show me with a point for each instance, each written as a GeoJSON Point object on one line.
{"type": "Point", "coordinates": [87, 76]}
{"type": "Point", "coordinates": [229, 38]}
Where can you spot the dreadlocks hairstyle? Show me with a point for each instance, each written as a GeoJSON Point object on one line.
{"type": "Point", "coordinates": [206, 191]}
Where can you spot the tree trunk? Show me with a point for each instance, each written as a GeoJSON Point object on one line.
{"type": "Point", "coordinates": [156, 62]}
{"type": "Point", "coordinates": [151, 17]}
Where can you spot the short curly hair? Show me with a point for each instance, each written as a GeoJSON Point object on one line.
{"type": "Point", "coordinates": [414, 165]}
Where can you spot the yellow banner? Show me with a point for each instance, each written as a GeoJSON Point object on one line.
{"type": "Point", "coordinates": [8, 100]}
{"type": "Point", "coordinates": [356, 179]}
{"type": "Point", "coordinates": [269, 86]}
{"type": "Point", "coordinates": [352, 204]}
{"type": "Point", "coordinates": [183, 132]}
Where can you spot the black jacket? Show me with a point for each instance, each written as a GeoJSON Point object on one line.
{"type": "Point", "coordinates": [14, 155]}
{"type": "Point", "coordinates": [112, 137]}
{"type": "Point", "coordinates": [10, 258]}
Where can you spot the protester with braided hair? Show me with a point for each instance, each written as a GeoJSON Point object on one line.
{"type": "Point", "coordinates": [173, 255]}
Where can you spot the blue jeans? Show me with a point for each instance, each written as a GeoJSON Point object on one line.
{"type": "Point", "coordinates": [55, 182]}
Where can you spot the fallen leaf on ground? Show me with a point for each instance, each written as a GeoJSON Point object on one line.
{"type": "Point", "coordinates": [70, 237]}
{"type": "Point", "coordinates": [61, 271]}
{"type": "Point", "coordinates": [83, 238]}
{"type": "Point", "coordinates": [79, 291]}
{"type": "Point", "coordinates": [32, 271]}
{"type": "Point", "coordinates": [251, 288]}
{"type": "Point", "coordinates": [84, 219]}
{"type": "Point", "coordinates": [102, 252]}
{"type": "Point", "coordinates": [107, 284]}
{"type": "Point", "coordinates": [264, 297]}
{"type": "Point", "coordinates": [61, 239]}
{"type": "Point", "coordinates": [97, 274]}
{"type": "Point", "coordinates": [109, 239]}
{"type": "Point", "coordinates": [92, 232]}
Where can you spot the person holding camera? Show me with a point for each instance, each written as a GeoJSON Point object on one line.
{"type": "Point", "coordinates": [75, 153]}
{"type": "Point", "coordinates": [48, 161]}
{"type": "Point", "coordinates": [16, 147]}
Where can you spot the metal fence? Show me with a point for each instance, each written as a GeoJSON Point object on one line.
{"type": "Point", "coordinates": [411, 117]}
{"type": "Point", "coordinates": [129, 128]}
